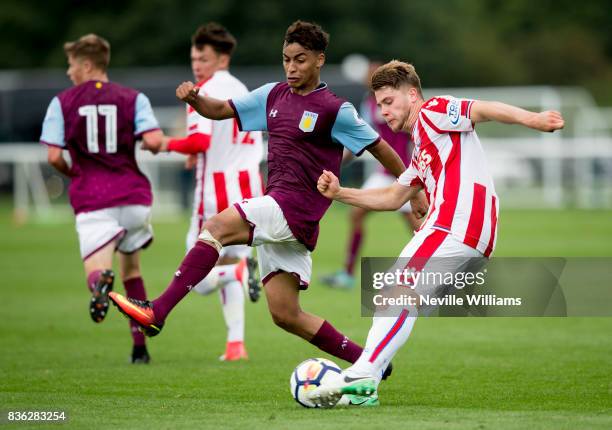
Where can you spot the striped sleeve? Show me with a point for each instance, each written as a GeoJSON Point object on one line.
{"type": "Point", "coordinates": [410, 177]}
{"type": "Point", "coordinates": [446, 113]}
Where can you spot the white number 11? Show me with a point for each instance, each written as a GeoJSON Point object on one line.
{"type": "Point", "coordinates": [90, 112]}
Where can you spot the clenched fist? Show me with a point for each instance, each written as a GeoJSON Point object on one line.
{"type": "Point", "coordinates": [187, 92]}
{"type": "Point", "coordinates": [419, 205]}
{"type": "Point", "coordinates": [549, 120]}
{"type": "Point", "coordinates": [156, 146]}
{"type": "Point", "coordinates": [328, 184]}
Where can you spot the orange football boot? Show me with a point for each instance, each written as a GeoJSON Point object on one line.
{"type": "Point", "coordinates": [140, 311]}
{"type": "Point", "coordinates": [234, 351]}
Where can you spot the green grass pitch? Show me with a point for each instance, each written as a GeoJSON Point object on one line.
{"type": "Point", "coordinates": [453, 373]}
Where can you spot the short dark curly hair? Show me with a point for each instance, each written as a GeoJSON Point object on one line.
{"type": "Point", "coordinates": [307, 34]}
{"type": "Point", "coordinates": [216, 36]}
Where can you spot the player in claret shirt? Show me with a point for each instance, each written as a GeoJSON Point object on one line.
{"type": "Point", "coordinates": [227, 171]}
{"type": "Point", "coordinates": [460, 230]}
{"type": "Point", "coordinates": [98, 122]}
{"type": "Point", "coordinates": [308, 128]}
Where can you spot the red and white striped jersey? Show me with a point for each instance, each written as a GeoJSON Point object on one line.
{"type": "Point", "coordinates": [449, 163]}
{"type": "Point", "coordinates": [229, 169]}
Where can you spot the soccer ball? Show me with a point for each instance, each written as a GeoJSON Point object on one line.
{"type": "Point", "coordinates": [310, 374]}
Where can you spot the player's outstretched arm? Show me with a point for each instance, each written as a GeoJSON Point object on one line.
{"type": "Point", "coordinates": [208, 107]}
{"type": "Point", "coordinates": [496, 111]}
{"type": "Point", "coordinates": [55, 158]}
{"type": "Point", "coordinates": [387, 156]}
{"type": "Point", "coordinates": [392, 161]}
{"type": "Point", "coordinates": [380, 199]}
{"type": "Point", "coordinates": [189, 145]}
{"type": "Point", "coordinates": [153, 141]}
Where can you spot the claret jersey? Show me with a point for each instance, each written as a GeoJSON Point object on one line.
{"type": "Point", "coordinates": [99, 124]}
{"type": "Point", "coordinates": [306, 135]}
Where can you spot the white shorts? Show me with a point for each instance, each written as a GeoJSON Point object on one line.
{"type": "Point", "coordinates": [130, 225]}
{"type": "Point", "coordinates": [277, 248]}
{"type": "Point", "coordinates": [233, 251]}
{"type": "Point", "coordinates": [432, 250]}
{"type": "Point", "coordinates": [382, 180]}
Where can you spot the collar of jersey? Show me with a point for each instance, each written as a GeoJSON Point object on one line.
{"type": "Point", "coordinates": [320, 87]}
{"type": "Point", "coordinates": [203, 81]}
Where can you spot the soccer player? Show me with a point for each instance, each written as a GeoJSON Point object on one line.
{"type": "Point", "coordinates": [402, 144]}
{"type": "Point", "coordinates": [227, 171]}
{"type": "Point", "coordinates": [450, 165]}
{"type": "Point", "coordinates": [98, 122]}
{"type": "Point", "coordinates": [308, 126]}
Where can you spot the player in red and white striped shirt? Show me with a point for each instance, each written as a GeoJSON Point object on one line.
{"type": "Point", "coordinates": [227, 171]}
{"type": "Point", "coordinates": [448, 162]}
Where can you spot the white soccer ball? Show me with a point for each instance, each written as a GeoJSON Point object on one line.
{"type": "Point", "coordinates": [308, 375]}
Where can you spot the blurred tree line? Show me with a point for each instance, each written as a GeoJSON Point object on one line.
{"type": "Point", "coordinates": [452, 42]}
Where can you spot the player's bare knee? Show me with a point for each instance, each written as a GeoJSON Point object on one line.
{"type": "Point", "coordinates": [216, 229]}
{"type": "Point", "coordinates": [211, 233]}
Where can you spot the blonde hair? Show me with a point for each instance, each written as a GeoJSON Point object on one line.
{"type": "Point", "coordinates": [90, 47]}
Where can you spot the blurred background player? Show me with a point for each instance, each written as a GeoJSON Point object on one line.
{"type": "Point", "coordinates": [381, 178]}
{"type": "Point", "coordinates": [308, 127]}
{"type": "Point", "coordinates": [227, 171]}
{"type": "Point", "coordinates": [98, 122]}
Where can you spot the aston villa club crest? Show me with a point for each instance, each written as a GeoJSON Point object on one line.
{"type": "Point", "coordinates": [308, 121]}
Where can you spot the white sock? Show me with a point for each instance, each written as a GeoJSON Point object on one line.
{"type": "Point", "coordinates": [208, 284]}
{"type": "Point", "coordinates": [386, 336]}
{"type": "Point", "coordinates": [226, 273]}
{"type": "Point", "coordinates": [216, 278]}
{"type": "Point", "coordinates": [232, 301]}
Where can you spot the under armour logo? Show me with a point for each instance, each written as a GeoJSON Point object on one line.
{"type": "Point", "coordinates": [344, 343]}
{"type": "Point", "coordinates": [273, 113]}
{"type": "Point", "coordinates": [177, 273]}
